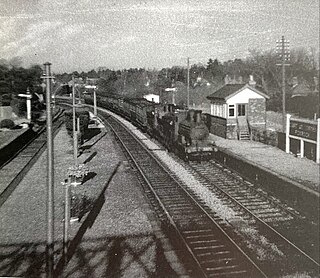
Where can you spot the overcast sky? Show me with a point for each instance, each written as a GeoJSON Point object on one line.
{"type": "Point", "coordinates": [85, 34]}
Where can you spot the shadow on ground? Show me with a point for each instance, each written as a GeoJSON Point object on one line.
{"type": "Point", "coordinates": [86, 147]}
{"type": "Point", "coordinates": [94, 257]}
{"type": "Point", "coordinates": [90, 257]}
{"type": "Point", "coordinates": [91, 132]}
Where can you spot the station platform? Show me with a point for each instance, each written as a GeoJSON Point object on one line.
{"type": "Point", "coordinates": [7, 136]}
{"type": "Point", "coordinates": [300, 170]}
{"type": "Point", "coordinates": [293, 178]}
{"type": "Point", "coordinates": [117, 236]}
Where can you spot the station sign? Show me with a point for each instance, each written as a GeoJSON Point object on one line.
{"type": "Point", "coordinates": [303, 130]}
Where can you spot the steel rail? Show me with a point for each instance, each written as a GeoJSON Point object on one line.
{"type": "Point", "coordinates": [257, 218]}
{"type": "Point", "coordinates": [189, 195]}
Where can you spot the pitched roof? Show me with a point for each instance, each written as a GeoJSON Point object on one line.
{"type": "Point", "coordinates": [229, 90]}
{"type": "Point", "coordinates": [301, 89]}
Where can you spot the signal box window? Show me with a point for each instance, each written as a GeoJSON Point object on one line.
{"type": "Point", "coordinates": [231, 110]}
{"type": "Point", "coordinates": [241, 109]}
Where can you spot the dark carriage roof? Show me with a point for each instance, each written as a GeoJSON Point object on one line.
{"type": "Point", "coordinates": [115, 96]}
{"type": "Point", "coordinates": [230, 90]}
{"type": "Point", "coordinates": [139, 101]}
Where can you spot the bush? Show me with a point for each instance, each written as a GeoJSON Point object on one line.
{"type": "Point", "coordinates": [5, 99]}
{"type": "Point", "coordinates": [268, 137]}
{"type": "Point", "coordinates": [19, 107]}
{"type": "Point", "coordinates": [7, 123]}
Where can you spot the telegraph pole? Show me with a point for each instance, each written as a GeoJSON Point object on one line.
{"type": "Point", "coordinates": [50, 175]}
{"type": "Point", "coordinates": [75, 135]}
{"type": "Point", "coordinates": [284, 53]}
{"type": "Point", "coordinates": [188, 81]}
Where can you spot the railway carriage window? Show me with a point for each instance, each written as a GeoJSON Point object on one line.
{"type": "Point", "coordinates": [231, 110]}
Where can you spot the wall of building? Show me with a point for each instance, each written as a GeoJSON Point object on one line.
{"type": "Point", "coordinates": [257, 112]}
{"type": "Point", "coordinates": [232, 132]}
{"type": "Point", "coordinates": [216, 125]}
{"type": "Point", "coordinates": [244, 96]}
{"type": "Point", "coordinates": [219, 109]}
{"type": "Point", "coordinates": [232, 128]}
{"type": "Point", "coordinates": [5, 112]}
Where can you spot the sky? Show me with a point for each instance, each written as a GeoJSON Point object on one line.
{"type": "Point", "coordinates": [86, 34]}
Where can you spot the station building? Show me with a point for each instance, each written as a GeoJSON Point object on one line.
{"type": "Point", "coordinates": [235, 109]}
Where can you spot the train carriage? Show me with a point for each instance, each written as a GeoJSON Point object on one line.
{"type": "Point", "coordinates": [143, 108]}
{"type": "Point", "coordinates": [179, 130]}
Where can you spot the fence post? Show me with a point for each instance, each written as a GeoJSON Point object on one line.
{"type": "Point", "coordinates": [287, 133]}
{"type": "Point", "coordinates": [318, 142]}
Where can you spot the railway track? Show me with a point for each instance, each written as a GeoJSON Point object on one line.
{"type": "Point", "coordinates": [264, 211]}
{"type": "Point", "coordinates": [214, 252]}
{"type": "Point", "coordinates": [198, 226]}
{"type": "Point", "coordinates": [13, 171]}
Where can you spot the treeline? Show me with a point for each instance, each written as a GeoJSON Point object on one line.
{"type": "Point", "coordinates": [205, 78]}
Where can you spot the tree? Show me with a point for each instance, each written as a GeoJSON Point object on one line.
{"type": "Point", "coordinates": [16, 62]}
{"type": "Point", "coordinates": [92, 74]}
{"type": "Point", "coordinates": [214, 70]}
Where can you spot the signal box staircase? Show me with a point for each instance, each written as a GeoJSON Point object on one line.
{"type": "Point", "coordinates": [243, 129]}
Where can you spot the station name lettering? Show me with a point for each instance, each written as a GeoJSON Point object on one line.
{"type": "Point", "coordinates": [303, 130]}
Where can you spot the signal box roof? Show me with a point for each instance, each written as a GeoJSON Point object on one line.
{"type": "Point", "coordinates": [229, 90]}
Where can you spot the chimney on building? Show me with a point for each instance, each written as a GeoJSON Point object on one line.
{"type": "Point", "coordinates": [227, 79]}
{"type": "Point", "coordinates": [316, 83]}
{"type": "Point", "coordinates": [251, 81]}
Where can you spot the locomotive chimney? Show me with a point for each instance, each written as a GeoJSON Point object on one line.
{"type": "Point", "coordinates": [190, 115]}
{"type": "Point", "coordinates": [197, 116]}
{"type": "Point", "coordinates": [171, 108]}
{"type": "Point", "coordinates": [227, 79]}
{"type": "Point", "coordinates": [165, 108]}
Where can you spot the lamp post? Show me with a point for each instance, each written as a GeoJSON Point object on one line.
{"type": "Point", "coordinates": [188, 81]}
{"type": "Point", "coordinates": [67, 185]}
{"type": "Point", "coordinates": [50, 176]}
{"type": "Point", "coordinates": [75, 135]}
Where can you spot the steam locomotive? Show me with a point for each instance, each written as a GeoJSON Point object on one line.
{"type": "Point", "coordinates": [180, 130]}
